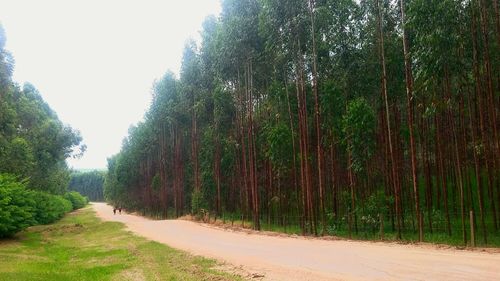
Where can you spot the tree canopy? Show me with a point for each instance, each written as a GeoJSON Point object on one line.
{"type": "Point", "coordinates": [311, 112]}
{"type": "Point", "coordinates": [89, 184]}
{"type": "Point", "coordinates": [34, 143]}
{"type": "Point", "coordinates": [34, 146]}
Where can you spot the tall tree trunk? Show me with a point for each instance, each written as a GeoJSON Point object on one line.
{"type": "Point", "coordinates": [442, 174]}
{"type": "Point", "coordinates": [294, 149]}
{"type": "Point", "coordinates": [319, 150]}
{"type": "Point", "coordinates": [194, 144]}
{"type": "Point", "coordinates": [477, 171]}
{"type": "Point", "coordinates": [386, 102]}
{"type": "Point", "coordinates": [489, 78]}
{"type": "Point", "coordinates": [252, 149]}
{"type": "Point", "coordinates": [479, 97]}
{"type": "Point", "coordinates": [242, 95]}
{"type": "Point", "coordinates": [426, 165]}
{"type": "Point", "coordinates": [302, 157]}
{"type": "Point", "coordinates": [497, 20]}
{"type": "Point", "coordinates": [217, 172]}
{"type": "Point", "coordinates": [495, 146]}
{"type": "Point", "coordinates": [410, 109]}
{"type": "Point", "coordinates": [333, 173]}
{"type": "Point", "coordinates": [458, 165]}
{"type": "Point", "coordinates": [304, 148]}
{"type": "Point", "coordinates": [163, 169]}
{"type": "Point", "coordinates": [353, 194]}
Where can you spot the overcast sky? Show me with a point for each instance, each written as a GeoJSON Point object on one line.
{"type": "Point", "coordinates": [94, 61]}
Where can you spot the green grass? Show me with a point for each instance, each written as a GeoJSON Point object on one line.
{"type": "Point", "coordinates": [82, 247]}
{"type": "Point", "coordinates": [439, 234]}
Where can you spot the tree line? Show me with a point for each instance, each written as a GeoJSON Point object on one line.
{"type": "Point", "coordinates": [327, 114]}
{"type": "Point", "coordinates": [89, 184]}
{"type": "Point", "coordinates": [34, 145]}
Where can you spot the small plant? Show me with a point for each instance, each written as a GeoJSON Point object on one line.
{"type": "Point", "coordinates": [375, 205]}
{"type": "Point", "coordinates": [156, 182]}
{"type": "Point", "coordinates": [345, 199]}
{"type": "Point", "coordinates": [437, 219]}
{"type": "Point", "coordinates": [198, 208]}
{"type": "Point", "coordinates": [333, 223]}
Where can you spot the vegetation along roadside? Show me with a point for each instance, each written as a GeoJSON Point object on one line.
{"type": "Point", "coordinates": [82, 247]}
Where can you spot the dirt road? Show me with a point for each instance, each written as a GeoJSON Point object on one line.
{"type": "Point", "coordinates": [282, 258]}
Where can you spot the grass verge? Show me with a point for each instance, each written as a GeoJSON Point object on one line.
{"type": "Point", "coordinates": [439, 236]}
{"type": "Point", "coordinates": [82, 247]}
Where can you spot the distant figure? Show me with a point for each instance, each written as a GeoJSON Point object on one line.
{"type": "Point", "coordinates": [120, 210]}
{"type": "Point", "coordinates": [114, 211]}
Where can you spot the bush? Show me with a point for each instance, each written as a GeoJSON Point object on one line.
{"type": "Point", "coordinates": [198, 205]}
{"type": "Point", "coordinates": [21, 208]}
{"type": "Point", "coordinates": [76, 199]}
{"type": "Point", "coordinates": [50, 208]}
{"type": "Point", "coordinates": [17, 206]}
{"type": "Point", "coordinates": [375, 205]}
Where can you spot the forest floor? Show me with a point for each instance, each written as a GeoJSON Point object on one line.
{"type": "Point", "coordinates": [299, 258]}
{"type": "Point", "coordinates": [83, 247]}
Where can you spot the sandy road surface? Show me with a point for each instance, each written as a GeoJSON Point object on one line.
{"type": "Point", "coordinates": [282, 258]}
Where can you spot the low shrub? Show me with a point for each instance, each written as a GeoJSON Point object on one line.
{"type": "Point", "coordinates": [17, 206]}
{"type": "Point", "coordinates": [21, 207]}
{"type": "Point", "coordinates": [198, 205]}
{"type": "Point", "coordinates": [50, 208]}
{"type": "Point", "coordinates": [76, 199]}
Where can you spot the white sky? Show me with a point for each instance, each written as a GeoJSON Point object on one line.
{"type": "Point", "coordinates": [94, 61]}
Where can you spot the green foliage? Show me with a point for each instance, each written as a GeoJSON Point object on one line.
{"type": "Point", "coordinates": [345, 198]}
{"type": "Point", "coordinates": [359, 129]}
{"type": "Point", "coordinates": [279, 140]}
{"type": "Point", "coordinates": [240, 121]}
{"type": "Point", "coordinates": [113, 183]}
{"type": "Point", "coordinates": [19, 155]}
{"type": "Point", "coordinates": [437, 35]}
{"type": "Point", "coordinates": [17, 206]}
{"type": "Point", "coordinates": [438, 219]}
{"type": "Point", "coordinates": [21, 207]}
{"type": "Point", "coordinates": [50, 208]}
{"type": "Point", "coordinates": [198, 203]}
{"type": "Point", "coordinates": [34, 143]}
{"type": "Point", "coordinates": [89, 184]}
{"type": "Point", "coordinates": [85, 248]}
{"type": "Point", "coordinates": [156, 182]}
{"type": "Point", "coordinates": [377, 204]}
{"type": "Point", "coordinates": [76, 199]}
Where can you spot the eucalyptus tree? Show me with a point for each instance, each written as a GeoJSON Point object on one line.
{"type": "Point", "coordinates": [410, 111]}
{"type": "Point", "coordinates": [164, 92]}
{"type": "Point", "coordinates": [89, 184]}
{"type": "Point", "coordinates": [34, 143]}
{"type": "Point", "coordinates": [286, 107]}
{"type": "Point", "coordinates": [190, 76]}
{"type": "Point", "coordinates": [34, 146]}
{"type": "Point", "coordinates": [241, 48]}
{"type": "Point", "coordinates": [436, 70]}
{"type": "Point", "coordinates": [358, 128]}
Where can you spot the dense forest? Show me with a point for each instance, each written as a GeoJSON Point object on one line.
{"type": "Point", "coordinates": [34, 145]}
{"type": "Point", "coordinates": [331, 116]}
{"type": "Point", "coordinates": [89, 184]}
